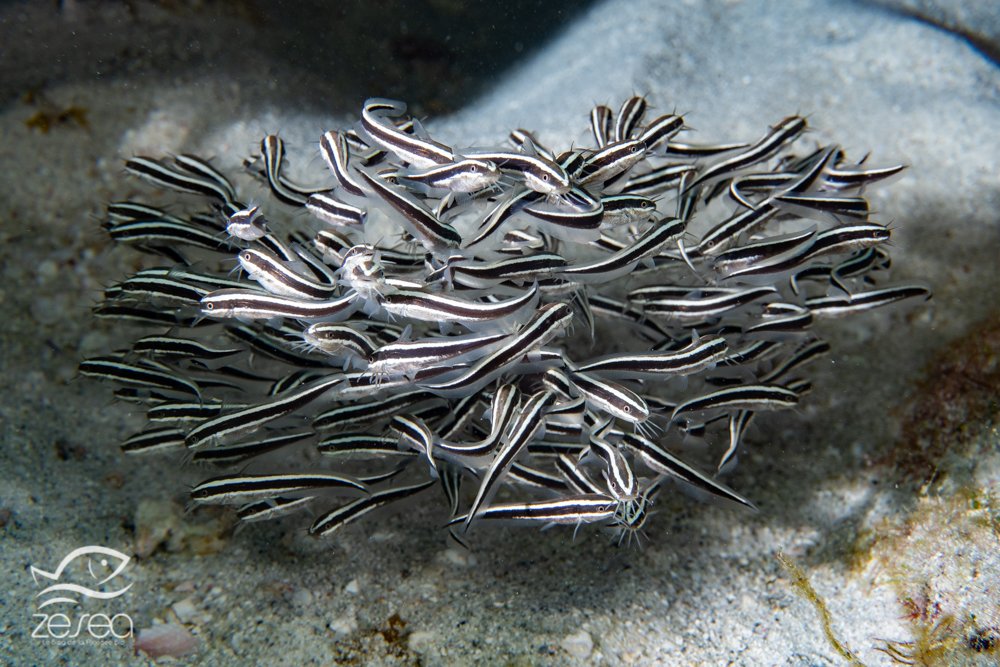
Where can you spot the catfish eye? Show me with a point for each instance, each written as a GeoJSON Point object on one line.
{"type": "Point", "coordinates": [474, 169]}
{"type": "Point", "coordinates": [545, 177]}
{"type": "Point", "coordinates": [627, 409]}
{"type": "Point", "coordinates": [209, 306]}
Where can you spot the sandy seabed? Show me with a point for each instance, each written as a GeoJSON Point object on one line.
{"type": "Point", "coordinates": [882, 489]}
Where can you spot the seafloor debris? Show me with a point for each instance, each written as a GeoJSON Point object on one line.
{"type": "Point", "coordinates": [554, 325]}
{"type": "Point", "coordinates": [50, 115]}
{"type": "Point", "coordinates": [167, 639]}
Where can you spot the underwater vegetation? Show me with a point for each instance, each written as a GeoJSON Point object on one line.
{"type": "Point", "coordinates": [541, 334]}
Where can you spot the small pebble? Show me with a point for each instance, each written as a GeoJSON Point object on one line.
{"type": "Point", "coordinates": [421, 641]}
{"type": "Point", "coordinates": [168, 639]}
{"type": "Point", "coordinates": [93, 343]}
{"type": "Point", "coordinates": [344, 625]}
{"type": "Point", "coordinates": [155, 522]}
{"type": "Point", "coordinates": [579, 645]}
{"type": "Point", "coordinates": [47, 271]}
{"type": "Point", "coordinates": [352, 587]}
{"type": "Point", "coordinates": [185, 587]}
{"type": "Point", "coordinates": [185, 610]}
{"type": "Point", "coordinates": [459, 557]}
{"type": "Point", "coordinates": [301, 597]}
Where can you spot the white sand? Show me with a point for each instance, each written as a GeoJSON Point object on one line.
{"type": "Point", "coordinates": [706, 588]}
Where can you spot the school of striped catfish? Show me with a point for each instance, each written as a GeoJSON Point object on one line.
{"type": "Point", "coordinates": [543, 335]}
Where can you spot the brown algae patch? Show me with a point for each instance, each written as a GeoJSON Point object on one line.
{"type": "Point", "coordinates": [944, 563]}
{"type": "Point", "coordinates": [163, 524]}
{"type": "Point", "coordinates": [939, 550]}
{"type": "Point", "coordinates": [956, 401]}
{"type": "Point", "coordinates": [382, 645]}
{"type": "Point", "coordinates": [802, 586]}
{"type": "Point", "coordinates": [943, 556]}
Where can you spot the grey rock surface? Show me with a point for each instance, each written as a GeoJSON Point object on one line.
{"type": "Point", "coordinates": [879, 546]}
{"type": "Point", "coordinates": [976, 21]}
